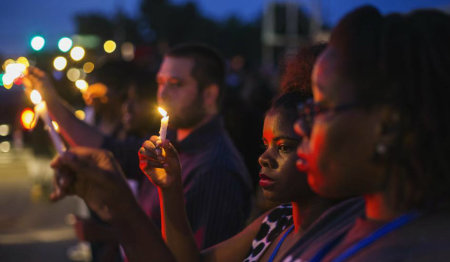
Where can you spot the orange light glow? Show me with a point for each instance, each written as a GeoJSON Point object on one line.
{"type": "Point", "coordinates": [28, 119]}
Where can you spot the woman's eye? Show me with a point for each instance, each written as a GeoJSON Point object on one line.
{"type": "Point", "coordinates": [285, 148]}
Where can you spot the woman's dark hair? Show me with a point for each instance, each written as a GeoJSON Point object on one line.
{"type": "Point", "coordinates": [288, 102]}
{"type": "Point", "coordinates": [404, 61]}
{"type": "Point", "coordinates": [297, 70]}
{"type": "Point", "coordinates": [295, 83]}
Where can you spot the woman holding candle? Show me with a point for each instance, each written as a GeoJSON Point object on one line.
{"type": "Point", "coordinates": [271, 235]}
{"type": "Point", "coordinates": [378, 127]}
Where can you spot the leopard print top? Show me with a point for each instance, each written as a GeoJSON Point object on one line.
{"type": "Point", "coordinates": [273, 224]}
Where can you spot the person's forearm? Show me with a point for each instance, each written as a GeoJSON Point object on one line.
{"type": "Point", "coordinates": [175, 226]}
{"type": "Point", "coordinates": [140, 239]}
{"type": "Point", "coordinates": [74, 131]}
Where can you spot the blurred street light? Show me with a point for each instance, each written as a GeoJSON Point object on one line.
{"type": "Point", "coordinates": [109, 46]}
{"type": "Point", "coordinates": [37, 43]}
{"type": "Point", "coordinates": [77, 53]}
{"type": "Point", "coordinates": [64, 44]}
{"type": "Point", "coordinates": [60, 63]}
{"type": "Point", "coordinates": [88, 67]}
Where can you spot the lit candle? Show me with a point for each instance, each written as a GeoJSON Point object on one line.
{"type": "Point", "coordinates": [41, 110]}
{"type": "Point", "coordinates": [164, 123]}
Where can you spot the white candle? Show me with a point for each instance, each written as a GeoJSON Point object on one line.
{"type": "Point", "coordinates": [41, 110]}
{"type": "Point", "coordinates": [164, 123]}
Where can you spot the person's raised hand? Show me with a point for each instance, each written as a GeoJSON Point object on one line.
{"type": "Point", "coordinates": [160, 163]}
{"type": "Point", "coordinates": [37, 79]}
{"type": "Point", "coordinates": [96, 177]}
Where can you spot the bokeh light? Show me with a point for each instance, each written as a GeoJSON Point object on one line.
{"type": "Point", "coordinates": [64, 44]}
{"type": "Point", "coordinates": [88, 67]}
{"type": "Point", "coordinates": [109, 46]}
{"type": "Point", "coordinates": [80, 114]}
{"type": "Point", "coordinates": [60, 63]}
{"type": "Point", "coordinates": [73, 74]}
{"type": "Point", "coordinates": [15, 69]}
{"type": "Point", "coordinates": [37, 43]}
{"type": "Point", "coordinates": [7, 62]}
{"type": "Point", "coordinates": [24, 61]}
{"type": "Point", "coordinates": [82, 85]}
{"type": "Point", "coordinates": [28, 119]}
{"type": "Point", "coordinates": [127, 50]}
{"type": "Point", "coordinates": [35, 97]}
{"type": "Point", "coordinates": [7, 80]}
{"type": "Point", "coordinates": [77, 53]}
{"type": "Point", "coordinates": [13, 73]}
{"type": "Point", "coordinates": [5, 146]}
{"type": "Point", "coordinates": [4, 130]}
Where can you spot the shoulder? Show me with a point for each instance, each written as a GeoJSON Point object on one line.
{"type": "Point", "coordinates": [273, 223]}
{"type": "Point", "coordinates": [335, 221]}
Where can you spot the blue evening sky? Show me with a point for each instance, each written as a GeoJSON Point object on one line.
{"type": "Point", "coordinates": [21, 19]}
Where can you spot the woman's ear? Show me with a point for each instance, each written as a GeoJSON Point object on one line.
{"type": "Point", "coordinates": [387, 132]}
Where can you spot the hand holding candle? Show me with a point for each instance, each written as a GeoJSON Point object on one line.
{"type": "Point", "coordinates": [164, 123]}
{"type": "Point", "coordinates": [41, 110]}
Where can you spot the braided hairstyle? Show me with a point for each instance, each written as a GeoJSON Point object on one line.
{"type": "Point", "coordinates": [404, 61]}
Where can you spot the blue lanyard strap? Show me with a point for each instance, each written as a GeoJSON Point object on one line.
{"type": "Point", "coordinates": [391, 226]}
{"type": "Point", "coordinates": [277, 248]}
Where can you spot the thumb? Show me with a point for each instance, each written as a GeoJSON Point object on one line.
{"type": "Point", "coordinates": [169, 150]}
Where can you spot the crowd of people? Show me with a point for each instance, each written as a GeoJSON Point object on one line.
{"type": "Point", "coordinates": [354, 161]}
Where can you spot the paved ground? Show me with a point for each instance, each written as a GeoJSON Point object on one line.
{"type": "Point", "coordinates": [31, 228]}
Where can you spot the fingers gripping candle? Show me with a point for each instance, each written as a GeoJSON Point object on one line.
{"type": "Point", "coordinates": [164, 123]}
{"type": "Point", "coordinates": [41, 110]}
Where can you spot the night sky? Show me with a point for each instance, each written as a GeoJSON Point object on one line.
{"type": "Point", "coordinates": [21, 19]}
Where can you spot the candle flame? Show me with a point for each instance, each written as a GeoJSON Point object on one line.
{"type": "Point", "coordinates": [28, 118]}
{"type": "Point", "coordinates": [56, 126]}
{"type": "Point", "coordinates": [162, 111]}
{"type": "Point", "coordinates": [35, 97]}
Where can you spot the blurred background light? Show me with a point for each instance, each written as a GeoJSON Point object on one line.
{"type": "Point", "coordinates": [35, 97]}
{"type": "Point", "coordinates": [64, 44]}
{"type": "Point", "coordinates": [109, 46]}
{"type": "Point", "coordinates": [77, 53]}
{"type": "Point", "coordinates": [88, 67]}
{"type": "Point", "coordinates": [37, 43]}
{"type": "Point", "coordinates": [5, 146]}
{"type": "Point", "coordinates": [27, 119]}
{"type": "Point", "coordinates": [60, 63]}
{"type": "Point", "coordinates": [82, 85]}
{"type": "Point", "coordinates": [4, 130]}
{"type": "Point", "coordinates": [127, 50]}
{"type": "Point", "coordinates": [7, 62]}
{"type": "Point", "coordinates": [24, 61]}
{"type": "Point", "coordinates": [80, 114]}
{"type": "Point", "coordinates": [88, 41]}
{"type": "Point", "coordinates": [73, 74]}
